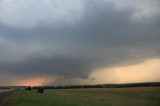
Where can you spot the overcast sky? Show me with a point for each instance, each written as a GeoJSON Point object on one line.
{"type": "Point", "coordinates": [79, 41]}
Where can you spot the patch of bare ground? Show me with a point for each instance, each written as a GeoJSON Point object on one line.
{"type": "Point", "coordinates": [133, 89]}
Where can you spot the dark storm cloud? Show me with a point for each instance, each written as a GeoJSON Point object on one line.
{"type": "Point", "coordinates": [104, 36]}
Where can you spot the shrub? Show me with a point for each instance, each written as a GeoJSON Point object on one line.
{"type": "Point", "coordinates": [40, 90]}
{"type": "Point", "coordinates": [28, 88]}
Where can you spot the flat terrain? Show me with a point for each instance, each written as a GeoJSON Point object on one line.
{"type": "Point", "coordinates": [140, 96]}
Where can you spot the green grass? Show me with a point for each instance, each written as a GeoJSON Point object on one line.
{"type": "Point", "coordinates": [88, 97]}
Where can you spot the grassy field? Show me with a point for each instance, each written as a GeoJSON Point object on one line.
{"type": "Point", "coordinates": [148, 96]}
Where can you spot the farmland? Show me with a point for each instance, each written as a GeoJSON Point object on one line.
{"type": "Point", "coordinates": [138, 96]}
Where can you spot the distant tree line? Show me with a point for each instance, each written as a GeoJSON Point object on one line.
{"type": "Point", "coordinates": [147, 84]}
{"type": "Point", "coordinates": [39, 89]}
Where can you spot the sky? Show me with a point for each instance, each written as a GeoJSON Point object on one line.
{"type": "Point", "coordinates": [68, 42]}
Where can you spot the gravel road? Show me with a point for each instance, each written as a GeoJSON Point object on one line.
{"type": "Point", "coordinates": [3, 95]}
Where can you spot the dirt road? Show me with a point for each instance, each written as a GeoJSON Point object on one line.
{"type": "Point", "coordinates": [4, 95]}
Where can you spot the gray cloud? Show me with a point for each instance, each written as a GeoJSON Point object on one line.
{"type": "Point", "coordinates": [98, 34]}
{"type": "Point", "coordinates": [28, 14]}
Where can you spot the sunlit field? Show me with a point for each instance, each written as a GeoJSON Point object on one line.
{"type": "Point", "coordinates": [140, 96]}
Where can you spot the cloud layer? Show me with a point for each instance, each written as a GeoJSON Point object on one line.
{"type": "Point", "coordinates": [73, 38]}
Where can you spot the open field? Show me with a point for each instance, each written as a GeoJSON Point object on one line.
{"type": "Point", "coordinates": [143, 96]}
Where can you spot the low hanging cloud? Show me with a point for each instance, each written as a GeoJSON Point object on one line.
{"type": "Point", "coordinates": [73, 38]}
